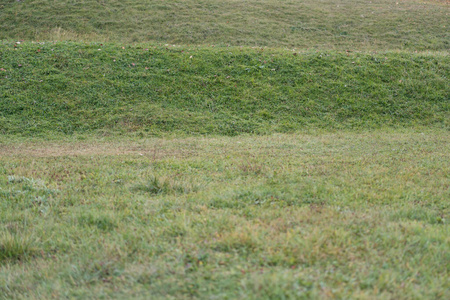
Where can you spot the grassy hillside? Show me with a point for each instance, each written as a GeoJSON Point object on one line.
{"type": "Point", "coordinates": [65, 88]}
{"type": "Point", "coordinates": [330, 24]}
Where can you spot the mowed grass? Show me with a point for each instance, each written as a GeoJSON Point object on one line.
{"type": "Point", "coordinates": [327, 24]}
{"type": "Point", "coordinates": [341, 215]}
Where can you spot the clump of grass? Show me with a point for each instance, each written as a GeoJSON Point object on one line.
{"type": "Point", "coordinates": [236, 241]}
{"type": "Point", "coordinates": [14, 247]}
{"type": "Point", "coordinates": [13, 179]}
{"type": "Point", "coordinates": [157, 186]}
{"type": "Point", "coordinates": [31, 192]}
{"type": "Point", "coordinates": [99, 220]}
{"type": "Point", "coordinates": [31, 184]}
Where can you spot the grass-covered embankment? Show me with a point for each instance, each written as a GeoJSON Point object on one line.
{"type": "Point", "coordinates": [328, 24]}
{"type": "Point", "coordinates": [64, 88]}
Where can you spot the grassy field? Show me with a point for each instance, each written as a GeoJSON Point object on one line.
{"type": "Point", "coordinates": [224, 149]}
{"type": "Point", "coordinates": [296, 216]}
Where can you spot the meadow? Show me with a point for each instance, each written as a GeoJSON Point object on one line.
{"type": "Point", "coordinates": [224, 149]}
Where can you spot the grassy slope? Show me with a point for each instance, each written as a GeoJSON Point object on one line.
{"type": "Point", "coordinates": [330, 24]}
{"type": "Point", "coordinates": [66, 88]}
{"type": "Point", "coordinates": [298, 216]}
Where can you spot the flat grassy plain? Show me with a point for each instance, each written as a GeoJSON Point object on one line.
{"type": "Point", "coordinates": [295, 216]}
{"type": "Point", "coordinates": [224, 149]}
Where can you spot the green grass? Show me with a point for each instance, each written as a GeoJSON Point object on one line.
{"type": "Point", "coordinates": [224, 149]}
{"type": "Point", "coordinates": [329, 24]}
{"type": "Point", "coordinates": [65, 88]}
{"type": "Point", "coordinates": [338, 215]}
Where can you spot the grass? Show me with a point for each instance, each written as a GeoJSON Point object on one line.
{"type": "Point", "coordinates": [15, 247]}
{"type": "Point", "coordinates": [65, 88]}
{"type": "Point", "coordinates": [298, 216]}
{"type": "Point", "coordinates": [330, 24]}
{"type": "Point", "coordinates": [224, 149]}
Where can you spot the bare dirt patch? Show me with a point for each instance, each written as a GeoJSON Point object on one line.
{"type": "Point", "coordinates": [156, 150]}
